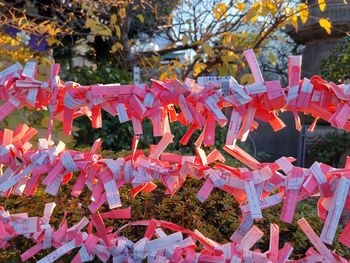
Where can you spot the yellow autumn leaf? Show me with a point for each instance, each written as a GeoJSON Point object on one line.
{"type": "Point", "coordinates": [178, 64]}
{"type": "Point", "coordinates": [116, 47]}
{"type": "Point", "coordinates": [225, 58]}
{"type": "Point", "coordinates": [122, 12]}
{"type": "Point", "coordinates": [52, 31]}
{"type": "Point", "coordinates": [45, 61]}
{"type": "Point", "coordinates": [270, 5]}
{"type": "Point", "coordinates": [247, 79]}
{"type": "Point", "coordinates": [141, 18]}
{"type": "Point", "coordinates": [226, 40]}
{"type": "Point", "coordinates": [220, 10]}
{"type": "Point", "coordinates": [325, 24]}
{"type": "Point", "coordinates": [104, 31]}
{"type": "Point", "coordinates": [97, 29]}
{"type": "Point", "coordinates": [163, 75]}
{"type": "Point", "coordinates": [294, 22]}
{"type": "Point", "coordinates": [223, 69]}
{"type": "Point", "coordinates": [264, 11]}
{"type": "Point", "coordinates": [84, 5]}
{"type": "Point", "coordinates": [51, 40]}
{"type": "Point", "coordinates": [198, 68]}
{"type": "Point", "coordinates": [322, 4]}
{"type": "Point", "coordinates": [208, 50]}
{"type": "Point", "coordinates": [232, 69]}
{"type": "Point", "coordinates": [113, 19]}
{"type": "Point", "coordinates": [254, 18]}
{"type": "Point", "coordinates": [117, 31]}
{"type": "Point", "coordinates": [172, 75]}
{"type": "Point", "coordinates": [229, 56]}
{"type": "Point", "coordinates": [185, 39]}
{"type": "Point", "coordinates": [240, 6]}
{"type": "Point", "coordinates": [303, 11]}
{"type": "Point", "coordinates": [89, 23]}
{"type": "Point", "coordinates": [22, 20]}
{"type": "Point", "coordinates": [283, 24]}
{"type": "Point", "coordinates": [253, 13]}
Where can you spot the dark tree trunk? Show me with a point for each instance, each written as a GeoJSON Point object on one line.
{"type": "Point", "coordinates": [102, 49]}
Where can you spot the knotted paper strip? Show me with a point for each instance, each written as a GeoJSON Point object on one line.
{"type": "Point", "coordinates": [198, 106]}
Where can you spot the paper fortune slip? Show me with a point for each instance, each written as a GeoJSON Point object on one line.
{"type": "Point", "coordinates": [201, 105]}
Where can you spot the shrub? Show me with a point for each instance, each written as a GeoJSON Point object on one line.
{"type": "Point", "coordinates": [331, 150]}
{"type": "Point", "coordinates": [336, 67]}
{"type": "Point", "coordinates": [216, 218]}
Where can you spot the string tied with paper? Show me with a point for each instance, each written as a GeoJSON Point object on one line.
{"type": "Point", "coordinates": [197, 105]}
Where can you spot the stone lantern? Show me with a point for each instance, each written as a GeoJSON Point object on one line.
{"type": "Point", "coordinates": [319, 44]}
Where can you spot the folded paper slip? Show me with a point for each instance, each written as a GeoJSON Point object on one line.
{"type": "Point", "coordinates": [198, 106]}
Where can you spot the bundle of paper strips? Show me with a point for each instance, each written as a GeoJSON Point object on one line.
{"type": "Point", "coordinates": [197, 105]}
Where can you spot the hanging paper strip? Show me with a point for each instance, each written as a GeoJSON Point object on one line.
{"type": "Point", "coordinates": [198, 106]}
